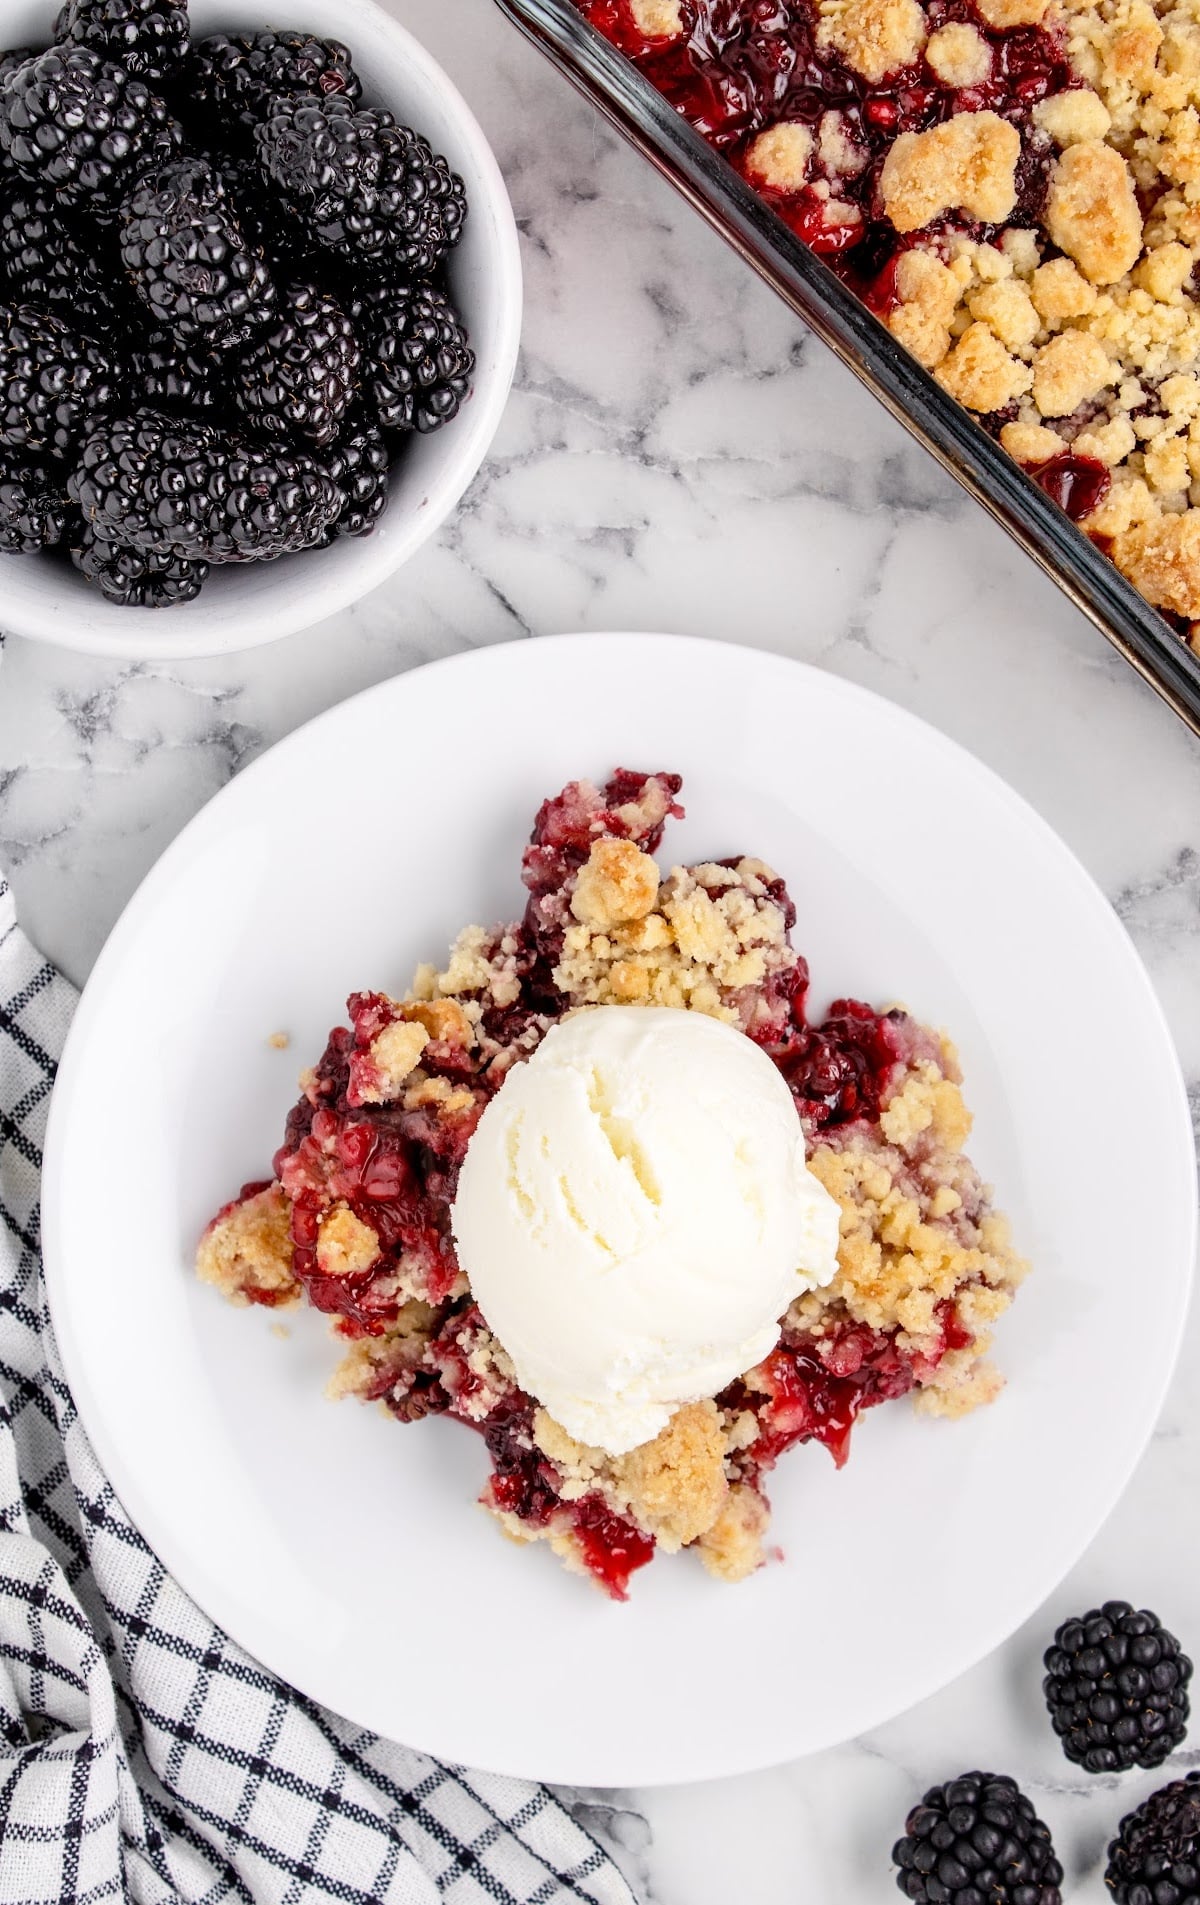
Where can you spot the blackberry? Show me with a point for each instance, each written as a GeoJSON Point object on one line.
{"type": "Point", "coordinates": [136, 578]}
{"type": "Point", "coordinates": [182, 486]}
{"type": "Point", "coordinates": [82, 125]}
{"type": "Point", "coordinates": [300, 377]}
{"type": "Point", "coordinates": [54, 381]}
{"type": "Point", "coordinates": [418, 362]}
{"type": "Point", "coordinates": [235, 81]}
{"type": "Point", "coordinates": [189, 259]}
{"type": "Point", "coordinates": [1117, 1689]}
{"type": "Point", "coordinates": [362, 186]}
{"type": "Point", "coordinates": [1155, 1858]}
{"type": "Point", "coordinates": [33, 506]}
{"type": "Point", "coordinates": [148, 38]}
{"type": "Point", "coordinates": [359, 465]}
{"type": "Point", "coordinates": [49, 263]}
{"type": "Point", "coordinates": [977, 1841]}
{"type": "Point", "coordinates": [168, 376]}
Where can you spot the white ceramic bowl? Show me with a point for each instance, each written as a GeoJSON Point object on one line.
{"type": "Point", "coordinates": [244, 606]}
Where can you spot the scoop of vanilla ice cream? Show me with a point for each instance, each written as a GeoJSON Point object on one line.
{"type": "Point", "coordinates": [635, 1215]}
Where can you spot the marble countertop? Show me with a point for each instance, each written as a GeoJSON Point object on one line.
{"type": "Point", "coordinates": [679, 455]}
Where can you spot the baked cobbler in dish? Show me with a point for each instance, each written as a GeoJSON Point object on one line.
{"type": "Point", "coordinates": [1013, 186]}
{"type": "Point", "coordinates": [359, 1217]}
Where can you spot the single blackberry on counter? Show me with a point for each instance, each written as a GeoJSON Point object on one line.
{"type": "Point", "coordinates": [166, 375]}
{"type": "Point", "coordinates": [359, 465]}
{"type": "Point", "coordinates": [136, 578]}
{"type": "Point", "coordinates": [977, 1841]}
{"type": "Point", "coordinates": [300, 376]}
{"type": "Point", "coordinates": [235, 80]}
{"type": "Point", "coordinates": [362, 186]}
{"type": "Point", "coordinates": [188, 258]}
{"type": "Point", "coordinates": [185, 487]}
{"type": "Point", "coordinates": [417, 361]}
{"type": "Point", "coordinates": [147, 37]}
{"type": "Point", "coordinates": [1117, 1689]}
{"type": "Point", "coordinates": [49, 263]}
{"type": "Point", "coordinates": [1155, 1858]}
{"type": "Point", "coordinates": [82, 125]}
{"type": "Point", "coordinates": [54, 381]}
{"type": "Point", "coordinates": [33, 506]}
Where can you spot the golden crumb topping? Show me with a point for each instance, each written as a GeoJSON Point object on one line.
{"type": "Point", "coordinates": [1092, 211]}
{"type": "Point", "coordinates": [968, 164]}
{"type": "Point", "coordinates": [1003, 14]}
{"type": "Point", "coordinates": [1068, 370]}
{"type": "Point", "coordinates": [959, 54]}
{"type": "Point", "coordinates": [247, 1252]}
{"type": "Point", "coordinates": [618, 884]}
{"type": "Point", "coordinates": [980, 373]}
{"type": "Point", "coordinates": [875, 37]}
{"type": "Point", "coordinates": [394, 1054]}
{"type": "Point", "coordinates": [733, 1547]}
{"type": "Point", "coordinates": [779, 157]}
{"type": "Point", "coordinates": [673, 1487]}
{"type": "Point", "coordinates": [345, 1245]}
{"type": "Point", "coordinates": [657, 19]}
{"type": "Point", "coordinates": [1161, 557]}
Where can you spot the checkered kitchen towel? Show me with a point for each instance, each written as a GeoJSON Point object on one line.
{"type": "Point", "coordinates": [142, 1754]}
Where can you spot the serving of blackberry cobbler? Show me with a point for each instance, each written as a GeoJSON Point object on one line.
{"type": "Point", "coordinates": [367, 1215]}
{"type": "Point", "coordinates": [1013, 186]}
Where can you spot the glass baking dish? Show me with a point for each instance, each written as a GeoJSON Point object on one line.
{"type": "Point", "coordinates": [952, 435]}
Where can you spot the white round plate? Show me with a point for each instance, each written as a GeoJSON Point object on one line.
{"type": "Point", "coordinates": [345, 1551]}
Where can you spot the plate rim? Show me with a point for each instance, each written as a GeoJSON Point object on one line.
{"type": "Point", "coordinates": [701, 1764]}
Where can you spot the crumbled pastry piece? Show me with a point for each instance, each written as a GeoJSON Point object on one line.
{"type": "Point", "coordinates": [875, 37]}
{"type": "Point", "coordinates": [673, 1487]}
{"type": "Point", "coordinates": [917, 1229]}
{"type": "Point", "coordinates": [657, 19]}
{"type": "Point", "coordinates": [959, 54]}
{"type": "Point", "coordinates": [394, 1056]}
{"type": "Point", "coordinates": [1092, 211]}
{"type": "Point", "coordinates": [929, 294]}
{"type": "Point", "coordinates": [981, 374]}
{"type": "Point", "coordinates": [1068, 370]}
{"type": "Point", "coordinates": [838, 151]}
{"type": "Point", "coordinates": [1165, 271]}
{"type": "Point", "coordinates": [1070, 118]}
{"type": "Point", "coordinates": [958, 1387]}
{"type": "Point", "coordinates": [1030, 443]}
{"type": "Point", "coordinates": [715, 935]}
{"type": "Point", "coordinates": [1161, 557]}
{"type": "Point", "coordinates": [968, 164]}
{"type": "Point", "coordinates": [279, 1041]}
{"type": "Point", "coordinates": [1003, 14]}
{"type": "Point", "coordinates": [1060, 291]}
{"type": "Point", "coordinates": [480, 962]}
{"type": "Point", "coordinates": [1007, 309]}
{"type": "Point", "coordinates": [618, 883]}
{"type": "Point", "coordinates": [1166, 465]}
{"type": "Point", "coordinates": [444, 1020]}
{"type": "Point", "coordinates": [733, 1547]}
{"type": "Point", "coordinates": [246, 1252]}
{"type": "Point", "coordinates": [346, 1247]}
{"type": "Point", "coordinates": [1109, 443]}
{"type": "Point", "coordinates": [372, 1365]}
{"type": "Point", "coordinates": [779, 157]}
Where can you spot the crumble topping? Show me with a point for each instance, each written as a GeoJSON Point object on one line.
{"type": "Point", "coordinates": [657, 19]}
{"type": "Point", "coordinates": [959, 55]}
{"type": "Point", "coordinates": [394, 1054]}
{"type": "Point", "coordinates": [733, 1547]}
{"type": "Point", "coordinates": [617, 884]}
{"type": "Point", "coordinates": [712, 935]}
{"type": "Point", "coordinates": [980, 373]}
{"type": "Point", "coordinates": [967, 164]}
{"type": "Point", "coordinates": [246, 1252]}
{"type": "Point", "coordinates": [345, 1245]}
{"type": "Point", "coordinates": [1092, 211]}
{"type": "Point", "coordinates": [875, 37]}
{"type": "Point", "coordinates": [779, 158]}
{"type": "Point", "coordinates": [673, 1487]}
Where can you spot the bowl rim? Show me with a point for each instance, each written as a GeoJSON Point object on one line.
{"type": "Point", "coordinates": [179, 633]}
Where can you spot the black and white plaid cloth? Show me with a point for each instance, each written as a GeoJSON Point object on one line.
{"type": "Point", "coordinates": [142, 1754]}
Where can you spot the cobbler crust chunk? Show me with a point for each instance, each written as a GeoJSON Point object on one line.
{"type": "Point", "coordinates": [357, 1219]}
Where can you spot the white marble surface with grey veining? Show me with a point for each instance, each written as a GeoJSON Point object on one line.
{"type": "Point", "coordinates": [679, 455]}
